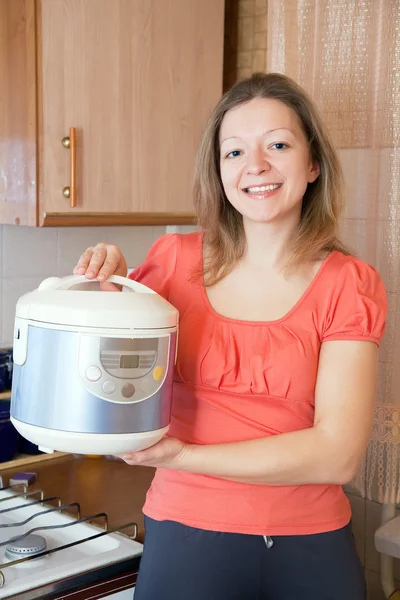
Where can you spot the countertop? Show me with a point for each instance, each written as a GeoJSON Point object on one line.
{"type": "Point", "coordinates": [98, 484]}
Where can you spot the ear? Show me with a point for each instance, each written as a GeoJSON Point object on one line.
{"type": "Point", "coordinates": [313, 172]}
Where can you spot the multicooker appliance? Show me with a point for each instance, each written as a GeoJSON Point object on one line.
{"type": "Point", "coordinates": [93, 370]}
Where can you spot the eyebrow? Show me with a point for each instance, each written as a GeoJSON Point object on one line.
{"type": "Point", "coordinates": [263, 134]}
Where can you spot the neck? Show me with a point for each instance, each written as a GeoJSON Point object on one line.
{"type": "Point", "coordinates": [268, 244]}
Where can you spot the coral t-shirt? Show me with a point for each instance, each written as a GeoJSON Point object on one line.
{"type": "Point", "coordinates": [240, 380]}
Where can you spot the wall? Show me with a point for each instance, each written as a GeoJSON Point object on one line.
{"type": "Point", "coordinates": [30, 255]}
{"type": "Point", "coordinates": [245, 39]}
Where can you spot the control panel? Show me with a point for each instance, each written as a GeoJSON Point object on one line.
{"type": "Point", "coordinates": [123, 369]}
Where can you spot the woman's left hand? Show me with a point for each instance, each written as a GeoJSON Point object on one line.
{"type": "Point", "coordinates": [168, 453]}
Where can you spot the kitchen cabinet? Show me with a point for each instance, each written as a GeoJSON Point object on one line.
{"type": "Point", "coordinates": [131, 82]}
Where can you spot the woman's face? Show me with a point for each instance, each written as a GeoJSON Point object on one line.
{"type": "Point", "coordinates": [265, 161]}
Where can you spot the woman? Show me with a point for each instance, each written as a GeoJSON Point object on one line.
{"type": "Point", "coordinates": [276, 374]}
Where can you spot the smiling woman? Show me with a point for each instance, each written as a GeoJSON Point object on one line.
{"type": "Point", "coordinates": [275, 380]}
{"type": "Point", "coordinates": [278, 117]}
{"type": "Point", "coordinates": [265, 170]}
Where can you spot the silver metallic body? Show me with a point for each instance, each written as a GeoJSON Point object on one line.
{"type": "Point", "coordinates": [48, 390]}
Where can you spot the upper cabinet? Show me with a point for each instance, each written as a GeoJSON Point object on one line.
{"type": "Point", "coordinates": [102, 103]}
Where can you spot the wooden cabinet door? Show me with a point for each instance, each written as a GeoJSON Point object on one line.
{"type": "Point", "coordinates": [137, 78]}
{"type": "Point", "coordinates": [18, 149]}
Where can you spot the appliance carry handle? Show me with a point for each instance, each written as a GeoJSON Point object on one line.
{"type": "Point", "coordinates": [65, 283]}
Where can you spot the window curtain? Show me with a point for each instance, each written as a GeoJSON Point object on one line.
{"type": "Point", "coordinates": [346, 53]}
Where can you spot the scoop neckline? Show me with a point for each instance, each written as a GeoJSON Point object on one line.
{"type": "Point", "coordinates": [294, 308]}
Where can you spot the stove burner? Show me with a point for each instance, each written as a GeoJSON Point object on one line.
{"type": "Point", "coordinates": [29, 546]}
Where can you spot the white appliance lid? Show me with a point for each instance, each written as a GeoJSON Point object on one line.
{"type": "Point", "coordinates": [56, 302]}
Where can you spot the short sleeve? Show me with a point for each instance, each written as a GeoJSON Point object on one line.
{"type": "Point", "coordinates": [158, 269]}
{"type": "Point", "coordinates": [358, 305]}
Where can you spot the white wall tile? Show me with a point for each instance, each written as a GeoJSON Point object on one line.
{"type": "Point", "coordinates": [28, 251]}
{"type": "Point", "coordinates": [134, 242]}
{"type": "Point", "coordinates": [12, 289]}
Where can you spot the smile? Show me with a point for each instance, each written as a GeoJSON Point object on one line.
{"type": "Point", "coordinates": [261, 189]}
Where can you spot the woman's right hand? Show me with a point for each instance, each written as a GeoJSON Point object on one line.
{"type": "Point", "coordinates": [100, 262]}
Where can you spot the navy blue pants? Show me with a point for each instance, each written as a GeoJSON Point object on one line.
{"type": "Point", "coordinates": [184, 563]}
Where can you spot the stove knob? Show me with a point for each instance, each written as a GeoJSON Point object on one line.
{"type": "Point", "coordinates": [93, 373]}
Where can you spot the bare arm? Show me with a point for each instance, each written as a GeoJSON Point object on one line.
{"type": "Point", "coordinates": [328, 452]}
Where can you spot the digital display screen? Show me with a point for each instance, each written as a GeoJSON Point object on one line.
{"type": "Point", "coordinates": [129, 361]}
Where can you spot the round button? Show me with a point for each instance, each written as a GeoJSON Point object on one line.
{"type": "Point", "coordinates": [128, 390]}
{"type": "Point", "coordinates": [93, 373]}
{"type": "Point", "coordinates": [158, 373]}
{"type": "Point", "coordinates": [147, 385]}
{"type": "Point", "coordinates": [108, 387]}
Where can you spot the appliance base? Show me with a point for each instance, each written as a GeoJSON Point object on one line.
{"type": "Point", "coordinates": [88, 443]}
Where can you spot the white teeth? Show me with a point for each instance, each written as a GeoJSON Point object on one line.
{"type": "Point", "coordinates": [263, 188]}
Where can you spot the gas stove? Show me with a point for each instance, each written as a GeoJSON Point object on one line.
{"type": "Point", "coordinates": [48, 550]}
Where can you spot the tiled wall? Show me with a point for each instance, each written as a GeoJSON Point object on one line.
{"type": "Point", "coordinates": [30, 255]}
{"type": "Point", "coordinates": [245, 39]}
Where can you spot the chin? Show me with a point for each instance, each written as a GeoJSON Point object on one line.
{"type": "Point", "coordinates": [260, 218]}
{"type": "Point", "coordinates": [268, 216]}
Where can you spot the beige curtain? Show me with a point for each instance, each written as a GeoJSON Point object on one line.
{"type": "Point", "coordinates": [346, 53]}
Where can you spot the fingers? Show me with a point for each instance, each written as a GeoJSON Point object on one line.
{"type": "Point", "coordinates": [83, 262]}
{"type": "Point", "coordinates": [110, 287]}
{"type": "Point", "coordinates": [130, 459]}
{"type": "Point", "coordinates": [99, 262]}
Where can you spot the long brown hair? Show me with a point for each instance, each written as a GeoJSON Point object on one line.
{"type": "Point", "coordinates": [322, 202]}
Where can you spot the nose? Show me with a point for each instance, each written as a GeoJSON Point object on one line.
{"type": "Point", "coordinates": [257, 162]}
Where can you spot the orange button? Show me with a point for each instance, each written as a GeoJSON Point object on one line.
{"type": "Point", "coordinates": [158, 373]}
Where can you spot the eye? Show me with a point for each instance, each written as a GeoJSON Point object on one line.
{"type": "Point", "coordinates": [233, 154]}
{"type": "Point", "coordinates": [279, 146]}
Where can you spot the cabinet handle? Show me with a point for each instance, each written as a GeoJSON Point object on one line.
{"type": "Point", "coordinates": [69, 191]}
